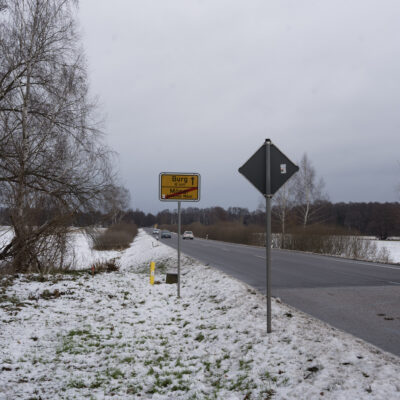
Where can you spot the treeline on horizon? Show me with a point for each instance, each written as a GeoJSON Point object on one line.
{"type": "Point", "coordinates": [371, 219]}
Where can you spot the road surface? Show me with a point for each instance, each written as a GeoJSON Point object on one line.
{"type": "Point", "coordinates": [358, 297]}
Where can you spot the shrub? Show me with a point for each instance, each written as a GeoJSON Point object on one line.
{"type": "Point", "coordinates": [116, 237]}
{"type": "Point", "coordinates": [325, 239]}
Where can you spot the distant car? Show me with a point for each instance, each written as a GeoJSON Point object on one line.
{"type": "Point", "coordinates": [188, 235]}
{"type": "Point", "coordinates": [156, 231]}
{"type": "Point", "coordinates": [165, 234]}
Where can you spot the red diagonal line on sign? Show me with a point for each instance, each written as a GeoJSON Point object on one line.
{"type": "Point", "coordinates": [168, 196]}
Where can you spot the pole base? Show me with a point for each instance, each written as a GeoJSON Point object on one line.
{"type": "Point", "coordinates": [172, 277]}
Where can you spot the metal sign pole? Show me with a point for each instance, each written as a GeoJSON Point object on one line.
{"type": "Point", "coordinates": [179, 249]}
{"type": "Point", "coordinates": [268, 229]}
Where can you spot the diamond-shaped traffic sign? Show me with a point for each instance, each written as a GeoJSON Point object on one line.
{"type": "Point", "coordinates": [268, 169]}
{"type": "Point", "coordinates": [280, 169]}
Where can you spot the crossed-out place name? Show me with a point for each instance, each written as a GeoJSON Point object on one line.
{"type": "Point", "coordinates": [179, 190]}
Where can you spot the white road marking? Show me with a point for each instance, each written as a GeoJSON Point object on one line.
{"type": "Point", "coordinates": [365, 263]}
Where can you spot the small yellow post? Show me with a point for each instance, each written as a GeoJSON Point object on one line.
{"type": "Point", "coordinates": [152, 268]}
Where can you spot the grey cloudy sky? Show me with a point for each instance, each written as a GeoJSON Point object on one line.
{"type": "Point", "coordinates": [197, 86]}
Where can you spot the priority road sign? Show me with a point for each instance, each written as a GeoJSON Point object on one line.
{"type": "Point", "coordinates": [179, 186]}
{"type": "Point", "coordinates": [268, 169]}
{"type": "Point", "coordinates": [255, 169]}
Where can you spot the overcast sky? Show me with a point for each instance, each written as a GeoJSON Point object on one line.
{"type": "Point", "coordinates": [197, 86]}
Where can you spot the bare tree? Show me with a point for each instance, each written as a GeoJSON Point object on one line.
{"type": "Point", "coordinates": [117, 200]}
{"type": "Point", "coordinates": [309, 191]}
{"type": "Point", "coordinates": [398, 185]}
{"type": "Point", "coordinates": [283, 202]}
{"type": "Point", "coordinates": [53, 162]}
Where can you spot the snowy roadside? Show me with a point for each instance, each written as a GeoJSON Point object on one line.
{"type": "Point", "coordinates": [115, 336]}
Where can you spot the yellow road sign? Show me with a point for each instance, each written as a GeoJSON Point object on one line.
{"type": "Point", "coordinates": [179, 186]}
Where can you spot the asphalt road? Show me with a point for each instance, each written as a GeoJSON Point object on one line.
{"type": "Point", "coordinates": [360, 298]}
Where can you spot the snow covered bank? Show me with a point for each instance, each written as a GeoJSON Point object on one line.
{"type": "Point", "coordinates": [115, 336]}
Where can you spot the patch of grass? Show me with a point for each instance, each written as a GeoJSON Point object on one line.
{"type": "Point", "coordinates": [163, 383]}
{"type": "Point", "coordinates": [78, 332]}
{"type": "Point", "coordinates": [284, 381]}
{"type": "Point", "coordinates": [77, 384]}
{"type": "Point", "coordinates": [115, 373]}
{"type": "Point", "coordinates": [242, 383]}
{"type": "Point", "coordinates": [96, 383]}
{"type": "Point", "coordinates": [245, 365]}
{"type": "Point", "coordinates": [106, 266]}
{"type": "Point", "coordinates": [134, 389]}
{"type": "Point", "coordinates": [7, 281]}
{"type": "Point", "coordinates": [80, 341]}
{"type": "Point", "coordinates": [207, 365]}
{"type": "Point", "coordinates": [47, 294]}
{"type": "Point", "coordinates": [200, 337]}
{"type": "Point", "coordinates": [268, 393]}
{"type": "Point", "coordinates": [127, 360]}
{"type": "Point", "coordinates": [288, 314]}
{"type": "Point", "coordinates": [10, 299]}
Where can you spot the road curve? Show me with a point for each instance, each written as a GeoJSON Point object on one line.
{"type": "Point", "coordinates": [361, 298]}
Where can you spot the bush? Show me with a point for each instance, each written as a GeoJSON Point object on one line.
{"type": "Point", "coordinates": [116, 237]}
{"type": "Point", "coordinates": [335, 241]}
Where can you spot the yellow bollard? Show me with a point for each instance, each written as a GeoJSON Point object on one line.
{"type": "Point", "coordinates": [152, 268]}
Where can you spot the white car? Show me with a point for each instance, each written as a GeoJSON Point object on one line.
{"type": "Point", "coordinates": [156, 231]}
{"type": "Point", "coordinates": [188, 235]}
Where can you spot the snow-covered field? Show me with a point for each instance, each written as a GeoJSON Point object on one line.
{"type": "Point", "coordinates": [392, 246]}
{"type": "Point", "coordinates": [115, 336]}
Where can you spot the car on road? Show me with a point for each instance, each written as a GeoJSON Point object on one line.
{"type": "Point", "coordinates": [187, 235]}
{"type": "Point", "coordinates": [156, 231]}
{"type": "Point", "coordinates": [165, 234]}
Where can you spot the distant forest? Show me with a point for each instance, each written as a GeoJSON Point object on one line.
{"type": "Point", "coordinates": [373, 219]}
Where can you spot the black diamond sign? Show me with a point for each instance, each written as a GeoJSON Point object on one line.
{"type": "Point", "coordinates": [255, 169]}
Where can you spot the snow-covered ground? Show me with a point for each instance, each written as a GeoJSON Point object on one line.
{"type": "Point", "coordinates": [392, 246]}
{"type": "Point", "coordinates": [81, 256]}
{"type": "Point", "coordinates": [116, 336]}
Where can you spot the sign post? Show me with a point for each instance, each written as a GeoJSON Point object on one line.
{"type": "Point", "coordinates": [268, 230]}
{"type": "Point", "coordinates": [268, 169]}
{"type": "Point", "coordinates": [179, 186]}
{"type": "Point", "coordinates": [179, 249]}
